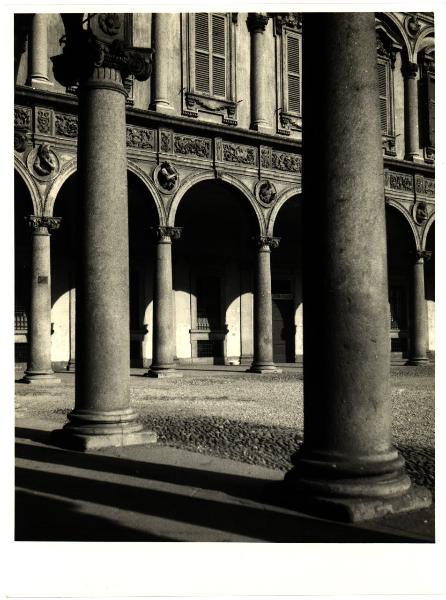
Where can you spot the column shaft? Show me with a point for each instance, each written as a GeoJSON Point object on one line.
{"type": "Point", "coordinates": [163, 333]}
{"type": "Point", "coordinates": [263, 326]}
{"type": "Point", "coordinates": [162, 24]}
{"type": "Point", "coordinates": [71, 365]}
{"type": "Point", "coordinates": [260, 120]}
{"type": "Point", "coordinates": [418, 340]}
{"type": "Point", "coordinates": [38, 66]}
{"type": "Point", "coordinates": [411, 111]}
{"type": "Point", "coordinates": [347, 463]}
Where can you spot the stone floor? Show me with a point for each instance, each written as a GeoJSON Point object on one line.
{"type": "Point", "coordinates": [224, 438]}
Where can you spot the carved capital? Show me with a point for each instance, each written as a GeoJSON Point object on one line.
{"type": "Point", "coordinates": [40, 224]}
{"type": "Point", "coordinates": [267, 243]}
{"type": "Point", "coordinates": [422, 255]}
{"type": "Point", "coordinates": [409, 70]}
{"type": "Point", "coordinates": [257, 22]}
{"type": "Point", "coordinates": [290, 20]}
{"type": "Point", "coordinates": [167, 234]}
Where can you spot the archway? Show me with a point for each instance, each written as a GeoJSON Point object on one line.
{"type": "Point", "coordinates": [286, 275]}
{"type": "Point", "coordinates": [213, 263]}
{"type": "Point", "coordinates": [401, 247]}
{"type": "Point", "coordinates": [429, 275]}
{"type": "Point", "coordinates": [23, 207]}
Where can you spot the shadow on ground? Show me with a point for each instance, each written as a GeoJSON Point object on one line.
{"type": "Point", "coordinates": [72, 496]}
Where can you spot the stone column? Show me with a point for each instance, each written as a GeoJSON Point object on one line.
{"type": "Point", "coordinates": [38, 48]}
{"type": "Point", "coordinates": [263, 311]}
{"type": "Point", "coordinates": [162, 29]}
{"type": "Point", "coordinates": [163, 333]}
{"type": "Point", "coordinates": [39, 369]}
{"type": "Point", "coordinates": [418, 342]}
{"type": "Point", "coordinates": [102, 415]}
{"type": "Point", "coordinates": [410, 71]}
{"type": "Point", "coordinates": [260, 120]}
{"type": "Point", "coordinates": [71, 365]}
{"type": "Point", "coordinates": [347, 467]}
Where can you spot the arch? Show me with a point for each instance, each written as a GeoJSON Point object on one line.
{"type": "Point", "coordinates": [148, 183]}
{"type": "Point", "coordinates": [67, 170]}
{"type": "Point", "coordinates": [426, 230]}
{"type": "Point", "coordinates": [30, 184]}
{"type": "Point", "coordinates": [422, 41]}
{"type": "Point", "coordinates": [284, 196]}
{"type": "Point", "coordinates": [407, 218]}
{"type": "Point", "coordinates": [210, 176]}
{"type": "Point", "coordinates": [394, 28]}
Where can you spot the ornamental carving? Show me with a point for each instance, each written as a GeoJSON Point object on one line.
{"type": "Point", "coordinates": [44, 121]}
{"type": "Point", "coordinates": [290, 20]}
{"type": "Point", "coordinates": [195, 146]}
{"type": "Point", "coordinates": [267, 242]}
{"type": "Point", "coordinates": [22, 117]}
{"type": "Point", "coordinates": [385, 47]}
{"type": "Point", "coordinates": [165, 143]}
{"type": "Point", "coordinates": [424, 186]}
{"type": "Point", "coordinates": [239, 154]}
{"type": "Point", "coordinates": [50, 223]}
{"type": "Point", "coordinates": [422, 255]}
{"type": "Point", "coordinates": [265, 158]}
{"type": "Point", "coordinates": [19, 140]}
{"type": "Point", "coordinates": [167, 176]}
{"type": "Point", "coordinates": [420, 213]}
{"type": "Point", "coordinates": [410, 70]}
{"type": "Point", "coordinates": [140, 138]}
{"type": "Point", "coordinates": [283, 161]}
{"type": "Point", "coordinates": [66, 125]}
{"type": "Point", "coordinates": [266, 192]}
{"type": "Point", "coordinates": [164, 233]}
{"type": "Point", "coordinates": [110, 23]}
{"type": "Point", "coordinates": [45, 161]}
{"type": "Point", "coordinates": [257, 22]}
{"type": "Point", "coordinates": [398, 181]}
{"type": "Point", "coordinates": [413, 25]}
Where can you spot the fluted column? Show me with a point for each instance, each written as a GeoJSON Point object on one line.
{"type": "Point", "coordinates": [260, 120]}
{"type": "Point", "coordinates": [39, 369]}
{"type": "Point", "coordinates": [418, 341]}
{"type": "Point", "coordinates": [263, 311]}
{"type": "Point", "coordinates": [410, 71]}
{"type": "Point", "coordinates": [162, 29]}
{"type": "Point", "coordinates": [163, 332]}
{"type": "Point", "coordinates": [38, 58]}
{"type": "Point", "coordinates": [102, 415]}
{"type": "Point", "coordinates": [347, 467]}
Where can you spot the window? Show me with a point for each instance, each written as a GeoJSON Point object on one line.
{"type": "Point", "coordinates": [209, 65]}
{"type": "Point", "coordinates": [428, 107]}
{"type": "Point", "coordinates": [288, 31]}
{"type": "Point", "coordinates": [384, 96]}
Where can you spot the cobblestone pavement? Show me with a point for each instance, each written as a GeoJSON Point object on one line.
{"type": "Point", "coordinates": [255, 419]}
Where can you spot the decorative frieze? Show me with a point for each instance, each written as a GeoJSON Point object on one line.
{"type": "Point", "coordinates": [166, 143]}
{"type": "Point", "coordinates": [137, 137]}
{"type": "Point", "coordinates": [290, 20]}
{"type": "Point", "coordinates": [66, 125]}
{"type": "Point", "coordinates": [284, 161]}
{"type": "Point", "coordinates": [400, 182]}
{"type": "Point", "coordinates": [265, 157]}
{"type": "Point", "coordinates": [43, 121]}
{"type": "Point", "coordinates": [20, 140]}
{"type": "Point", "coordinates": [238, 153]}
{"type": "Point", "coordinates": [424, 186]}
{"type": "Point", "coordinates": [189, 145]}
{"type": "Point", "coordinates": [22, 117]}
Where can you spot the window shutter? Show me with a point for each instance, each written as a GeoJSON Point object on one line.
{"type": "Point", "coordinates": [431, 110]}
{"type": "Point", "coordinates": [218, 55]}
{"type": "Point", "coordinates": [293, 73]}
{"type": "Point", "coordinates": [383, 75]}
{"type": "Point", "coordinates": [202, 81]}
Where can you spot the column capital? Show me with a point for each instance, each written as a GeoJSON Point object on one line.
{"type": "Point", "coordinates": [267, 242]}
{"type": "Point", "coordinates": [409, 70]}
{"type": "Point", "coordinates": [166, 234]}
{"type": "Point", "coordinates": [422, 255]}
{"type": "Point", "coordinates": [88, 50]}
{"type": "Point", "coordinates": [37, 223]}
{"type": "Point", "coordinates": [257, 22]}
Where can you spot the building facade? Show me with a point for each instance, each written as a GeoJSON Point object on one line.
{"type": "Point", "coordinates": [214, 178]}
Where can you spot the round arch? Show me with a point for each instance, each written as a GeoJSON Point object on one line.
{"type": "Point", "coordinates": [399, 208]}
{"type": "Point", "coordinates": [29, 182]}
{"type": "Point", "coordinates": [209, 176]}
{"type": "Point", "coordinates": [423, 42]}
{"type": "Point", "coordinates": [150, 186]}
{"type": "Point", "coordinates": [426, 231]}
{"type": "Point", "coordinates": [67, 171]}
{"type": "Point", "coordinates": [284, 196]}
{"type": "Point", "coordinates": [392, 25]}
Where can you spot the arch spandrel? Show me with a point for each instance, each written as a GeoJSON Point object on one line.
{"type": "Point", "coordinates": [425, 40]}
{"type": "Point", "coordinates": [284, 197]}
{"type": "Point", "coordinates": [409, 220]}
{"type": "Point", "coordinates": [66, 172]}
{"type": "Point", "coordinates": [148, 183]}
{"type": "Point", "coordinates": [426, 230]}
{"type": "Point", "coordinates": [191, 181]}
{"type": "Point", "coordinates": [31, 186]}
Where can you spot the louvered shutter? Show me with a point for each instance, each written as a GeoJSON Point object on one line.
{"type": "Point", "coordinates": [202, 80]}
{"type": "Point", "coordinates": [431, 110]}
{"type": "Point", "coordinates": [383, 74]}
{"type": "Point", "coordinates": [218, 55]}
{"type": "Point", "coordinates": [293, 73]}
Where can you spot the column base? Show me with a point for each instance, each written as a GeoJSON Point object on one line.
{"type": "Point", "coordinates": [93, 430]}
{"type": "Point", "coordinates": [263, 369]}
{"type": "Point", "coordinates": [71, 366]}
{"type": "Point", "coordinates": [162, 106]}
{"type": "Point", "coordinates": [416, 158]}
{"type": "Point", "coordinates": [40, 378]}
{"type": "Point", "coordinates": [163, 373]}
{"type": "Point", "coordinates": [41, 83]}
{"type": "Point", "coordinates": [416, 361]}
{"type": "Point", "coordinates": [261, 127]}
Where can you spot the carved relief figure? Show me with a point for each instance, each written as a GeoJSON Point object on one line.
{"type": "Point", "coordinates": [110, 23]}
{"type": "Point", "coordinates": [167, 176]}
{"type": "Point", "coordinates": [421, 213]}
{"type": "Point", "coordinates": [45, 161]}
{"type": "Point", "coordinates": [267, 192]}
